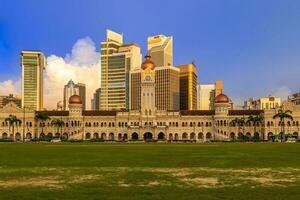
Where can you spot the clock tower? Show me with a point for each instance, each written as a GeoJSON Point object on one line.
{"type": "Point", "coordinates": [148, 87]}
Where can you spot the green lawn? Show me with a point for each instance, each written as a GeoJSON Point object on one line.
{"type": "Point", "coordinates": [149, 171]}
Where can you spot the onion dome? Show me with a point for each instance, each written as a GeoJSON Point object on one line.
{"type": "Point", "coordinates": [148, 63]}
{"type": "Point", "coordinates": [221, 98]}
{"type": "Point", "coordinates": [75, 99]}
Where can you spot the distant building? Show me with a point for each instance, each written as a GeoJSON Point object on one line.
{"type": "Point", "coordinates": [206, 94]}
{"type": "Point", "coordinates": [295, 98]}
{"type": "Point", "coordinates": [6, 99]}
{"type": "Point", "coordinates": [117, 60]}
{"type": "Point", "coordinates": [71, 89]}
{"type": "Point", "coordinates": [96, 100]}
{"type": "Point", "coordinates": [82, 94]}
{"type": "Point", "coordinates": [265, 103]}
{"type": "Point", "coordinates": [33, 64]}
{"type": "Point", "coordinates": [160, 48]}
{"type": "Point", "coordinates": [188, 87]}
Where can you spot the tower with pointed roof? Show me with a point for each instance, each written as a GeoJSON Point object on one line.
{"type": "Point", "coordinates": [148, 87]}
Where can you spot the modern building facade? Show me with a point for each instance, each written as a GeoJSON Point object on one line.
{"type": "Point", "coordinates": [33, 64]}
{"type": "Point", "coordinates": [6, 99]}
{"type": "Point", "coordinates": [188, 87]}
{"type": "Point", "coordinates": [206, 94]}
{"type": "Point", "coordinates": [96, 100]}
{"type": "Point", "coordinates": [295, 98]}
{"type": "Point", "coordinates": [265, 103]}
{"type": "Point", "coordinates": [117, 60]}
{"type": "Point", "coordinates": [70, 89]}
{"type": "Point", "coordinates": [160, 48]}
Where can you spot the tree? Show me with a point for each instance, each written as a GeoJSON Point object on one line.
{"type": "Point", "coordinates": [282, 115]}
{"type": "Point", "coordinates": [58, 123]}
{"type": "Point", "coordinates": [255, 120]}
{"type": "Point", "coordinates": [41, 116]}
{"type": "Point", "coordinates": [241, 123]}
{"type": "Point", "coordinates": [12, 121]}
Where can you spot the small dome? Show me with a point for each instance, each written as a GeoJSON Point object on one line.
{"type": "Point", "coordinates": [75, 99]}
{"type": "Point", "coordinates": [148, 63]}
{"type": "Point", "coordinates": [221, 98]}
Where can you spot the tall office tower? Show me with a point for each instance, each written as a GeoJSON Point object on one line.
{"type": "Point", "coordinates": [33, 64]}
{"type": "Point", "coordinates": [96, 100]}
{"type": "Point", "coordinates": [135, 89]}
{"type": "Point", "coordinates": [117, 60]}
{"type": "Point", "coordinates": [188, 87]}
{"type": "Point", "coordinates": [70, 89]}
{"type": "Point", "coordinates": [82, 93]}
{"type": "Point", "coordinates": [206, 94]}
{"type": "Point", "coordinates": [160, 49]}
{"type": "Point", "coordinates": [167, 95]}
{"type": "Point", "coordinates": [219, 87]}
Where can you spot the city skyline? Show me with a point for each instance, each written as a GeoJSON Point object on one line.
{"type": "Point", "coordinates": [259, 50]}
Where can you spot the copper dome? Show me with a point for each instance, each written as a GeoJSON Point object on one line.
{"type": "Point", "coordinates": [75, 99]}
{"type": "Point", "coordinates": [221, 98]}
{"type": "Point", "coordinates": [148, 63]}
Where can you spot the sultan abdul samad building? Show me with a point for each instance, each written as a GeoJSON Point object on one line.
{"type": "Point", "coordinates": [147, 123]}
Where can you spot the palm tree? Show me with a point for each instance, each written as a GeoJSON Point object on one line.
{"type": "Point", "coordinates": [255, 120]}
{"type": "Point", "coordinates": [240, 122]}
{"type": "Point", "coordinates": [282, 115]}
{"type": "Point", "coordinates": [41, 116]}
{"type": "Point", "coordinates": [58, 123]}
{"type": "Point", "coordinates": [12, 121]}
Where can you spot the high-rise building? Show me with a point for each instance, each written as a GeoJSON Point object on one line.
{"type": "Point", "coordinates": [71, 89]}
{"type": "Point", "coordinates": [82, 93]}
{"type": "Point", "coordinates": [167, 95]}
{"type": "Point", "coordinates": [265, 103]}
{"type": "Point", "coordinates": [96, 100]}
{"type": "Point", "coordinates": [188, 87]}
{"type": "Point", "coordinates": [219, 87]}
{"type": "Point", "coordinates": [206, 94]}
{"type": "Point", "coordinates": [33, 64]}
{"type": "Point", "coordinates": [160, 48]}
{"type": "Point", "coordinates": [6, 99]}
{"type": "Point", "coordinates": [167, 88]}
{"type": "Point", "coordinates": [117, 60]}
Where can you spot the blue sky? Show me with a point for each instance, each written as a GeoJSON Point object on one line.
{"type": "Point", "coordinates": [253, 45]}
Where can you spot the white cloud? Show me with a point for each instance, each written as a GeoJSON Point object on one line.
{"type": "Point", "coordinates": [10, 87]}
{"type": "Point", "coordinates": [82, 65]}
{"type": "Point", "coordinates": [283, 92]}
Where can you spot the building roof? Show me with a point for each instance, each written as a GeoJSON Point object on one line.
{"type": "Point", "coordinates": [75, 99]}
{"type": "Point", "coordinates": [221, 98]}
{"type": "Point", "coordinates": [54, 112]}
{"type": "Point", "coordinates": [197, 112]}
{"type": "Point", "coordinates": [245, 112]}
{"type": "Point", "coordinates": [148, 63]}
{"type": "Point", "coordinates": [99, 113]}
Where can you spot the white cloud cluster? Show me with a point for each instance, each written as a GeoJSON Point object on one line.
{"type": "Point", "coordinates": [82, 65]}
{"type": "Point", "coordinates": [10, 87]}
{"type": "Point", "coordinates": [283, 92]}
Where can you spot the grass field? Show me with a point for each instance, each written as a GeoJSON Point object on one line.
{"type": "Point", "coordinates": [150, 171]}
